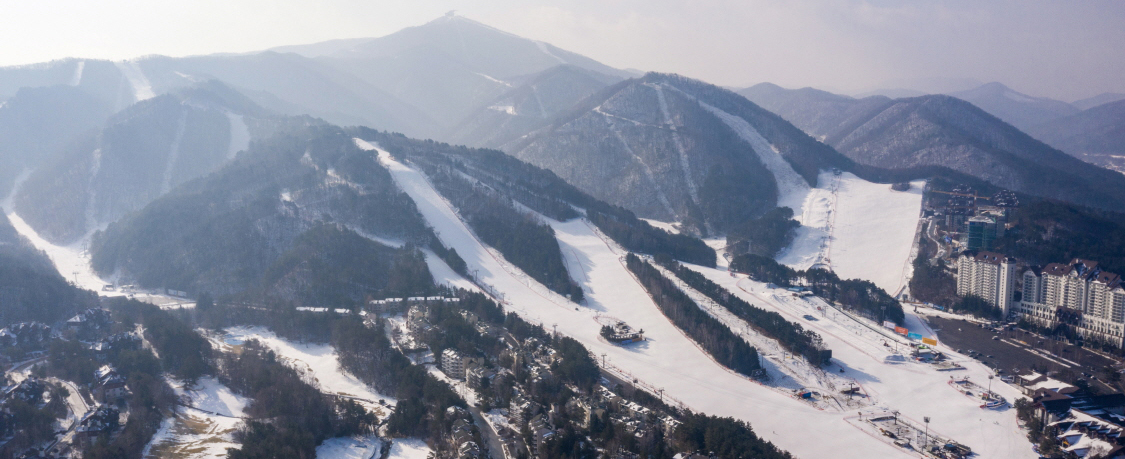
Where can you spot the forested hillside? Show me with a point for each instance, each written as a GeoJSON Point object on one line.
{"type": "Point", "coordinates": [1096, 135]}
{"type": "Point", "coordinates": [283, 219]}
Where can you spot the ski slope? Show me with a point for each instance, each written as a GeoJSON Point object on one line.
{"type": "Point", "coordinates": [72, 260]}
{"type": "Point", "coordinates": [666, 360]}
{"type": "Point", "coordinates": [142, 89]}
{"type": "Point", "coordinates": [857, 228]}
{"type": "Point", "coordinates": [916, 390]}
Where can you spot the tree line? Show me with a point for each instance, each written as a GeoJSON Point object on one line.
{"type": "Point", "coordinates": [791, 336]}
{"type": "Point", "coordinates": [522, 239]}
{"type": "Point", "coordinates": [859, 295]}
{"type": "Point", "coordinates": [289, 417]}
{"type": "Point", "coordinates": [720, 342]}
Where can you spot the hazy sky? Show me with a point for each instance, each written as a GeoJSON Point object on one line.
{"type": "Point", "coordinates": [1063, 49]}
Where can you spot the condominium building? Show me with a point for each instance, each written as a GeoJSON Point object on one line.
{"type": "Point", "coordinates": [1079, 295]}
{"type": "Point", "coordinates": [991, 276]}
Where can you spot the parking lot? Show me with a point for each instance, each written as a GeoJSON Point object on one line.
{"type": "Point", "coordinates": [1013, 350]}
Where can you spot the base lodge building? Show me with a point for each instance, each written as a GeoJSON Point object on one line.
{"type": "Point", "coordinates": [1079, 294]}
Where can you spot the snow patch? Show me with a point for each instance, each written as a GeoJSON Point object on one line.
{"type": "Point", "coordinates": [410, 448]}
{"type": "Point", "coordinates": [545, 50]}
{"type": "Point", "coordinates": [78, 69]}
{"type": "Point", "coordinates": [859, 229]}
{"type": "Point", "coordinates": [72, 261]}
{"type": "Point", "coordinates": [494, 80]}
{"type": "Point", "coordinates": [669, 227]}
{"type": "Point", "coordinates": [509, 109]}
{"type": "Point", "coordinates": [208, 394]}
{"type": "Point", "coordinates": [205, 428]}
{"type": "Point", "coordinates": [239, 135]}
{"type": "Point", "coordinates": [359, 447]}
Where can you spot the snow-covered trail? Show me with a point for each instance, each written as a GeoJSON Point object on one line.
{"type": "Point", "coordinates": [173, 156]}
{"type": "Point", "coordinates": [685, 163]}
{"type": "Point", "coordinates": [791, 187]}
{"type": "Point", "coordinates": [142, 89]}
{"type": "Point", "coordinates": [667, 359]}
{"type": "Point", "coordinates": [239, 135]}
{"type": "Point", "coordinates": [660, 195]}
{"type": "Point", "coordinates": [916, 390]}
{"type": "Point", "coordinates": [91, 190]}
{"type": "Point", "coordinates": [76, 79]}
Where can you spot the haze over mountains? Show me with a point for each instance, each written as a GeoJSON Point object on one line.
{"type": "Point", "coordinates": [334, 173]}
{"type": "Point", "coordinates": [942, 131]}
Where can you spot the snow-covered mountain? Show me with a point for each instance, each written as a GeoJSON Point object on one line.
{"type": "Point", "coordinates": [295, 217]}
{"type": "Point", "coordinates": [448, 67]}
{"type": "Point", "coordinates": [944, 132]}
{"type": "Point", "coordinates": [531, 104]}
{"type": "Point", "coordinates": [135, 157]}
{"type": "Point", "coordinates": [675, 149]}
{"type": "Point", "coordinates": [290, 84]}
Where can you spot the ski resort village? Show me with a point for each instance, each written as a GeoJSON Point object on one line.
{"type": "Point", "coordinates": [453, 242]}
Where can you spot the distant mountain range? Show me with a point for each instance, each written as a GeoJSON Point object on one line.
{"type": "Point", "coordinates": [1096, 135]}
{"type": "Point", "coordinates": [92, 141]}
{"type": "Point", "coordinates": [139, 154]}
{"type": "Point", "coordinates": [1020, 110]}
{"type": "Point", "coordinates": [939, 130]}
{"type": "Point", "coordinates": [447, 68]}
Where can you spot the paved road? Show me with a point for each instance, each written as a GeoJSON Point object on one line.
{"type": "Point", "coordinates": [490, 437]}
